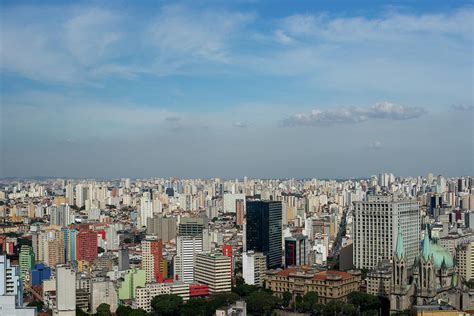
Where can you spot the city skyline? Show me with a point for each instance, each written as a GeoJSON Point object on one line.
{"type": "Point", "coordinates": [326, 90]}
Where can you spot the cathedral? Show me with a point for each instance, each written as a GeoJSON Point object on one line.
{"type": "Point", "coordinates": [423, 281]}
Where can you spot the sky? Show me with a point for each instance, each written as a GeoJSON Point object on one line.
{"type": "Point", "coordinates": [270, 89]}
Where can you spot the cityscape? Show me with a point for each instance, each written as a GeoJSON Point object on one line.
{"type": "Point", "coordinates": [173, 246]}
{"type": "Point", "coordinates": [236, 158]}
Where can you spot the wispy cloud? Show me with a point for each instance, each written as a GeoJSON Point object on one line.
{"type": "Point", "coordinates": [344, 115]}
{"type": "Point", "coordinates": [462, 107]}
{"type": "Point", "coordinates": [374, 145]}
{"type": "Point", "coordinates": [240, 124]}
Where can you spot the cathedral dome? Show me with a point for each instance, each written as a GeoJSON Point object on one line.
{"type": "Point", "coordinates": [440, 255]}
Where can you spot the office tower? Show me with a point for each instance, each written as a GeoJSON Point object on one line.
{"type": "Point", "coordinates": [10, 280]}
{"type": "Point", "coordinates": [146, 209]}
{"type": "Point", "coordinates": [254, 265]}
{"type": "Point", "coordinates": [65, 291]}
{"type": "Point", "coordinates": [296, 251]}
{"type": "Point", "coordinates": [192, 226]}
{"type": "Point", "coordinates": [123, 259]}
{"type": "Point", "coordinates": [214, 271]}
{"type": "Point", "coordinates": [230, 202]}
{"type": "Point", "coordinates": [240, 212]}
{"type": "Point", "coordinates": [151, 259]}
{"type": "Point", "coordinates": [376, 224]}
{"type": "Point", "coordinates": [465, 260]}
{"type": "Point", "coordinates": [27, 262]}
{"type": "Point", "coordinates": [162, 227]}
{"type": "Point", "coordinates": [86, 245]}
{"type": "Point", "coordinates": [264, 230]}
{"type": "Point", "coordinates": [103, 292]}
{"type": "Point", "coordinates": [187, 248]}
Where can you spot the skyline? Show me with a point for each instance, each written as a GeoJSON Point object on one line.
{"type": "Point", "coordinates": [113, 90]}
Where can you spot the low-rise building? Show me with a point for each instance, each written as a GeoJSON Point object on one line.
{"type": "Point", "coordinates": [329, 285]}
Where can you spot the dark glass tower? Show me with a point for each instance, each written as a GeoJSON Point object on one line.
{"type": "Point", "coordinates": [263, 230]}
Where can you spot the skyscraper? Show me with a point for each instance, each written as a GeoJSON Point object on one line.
{"type": "Point", "coordinates": [376, 224]}
{"type": "Point", "coordinates": [264, 230]}
{"type": "Point", "coordinates": [187, 249]}
{"type": "Point", "coordinates": [27, 262]}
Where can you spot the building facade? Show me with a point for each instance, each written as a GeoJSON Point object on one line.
{"type": "Point", "coordinates": [214, 271]}
{"type": "Point", "coordinates": [376, 224]}
{"type": "Point", "coordinates": [263, 231]}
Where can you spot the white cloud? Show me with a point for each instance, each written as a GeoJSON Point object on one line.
{"type": "Point", "coordinates": [344, 115]}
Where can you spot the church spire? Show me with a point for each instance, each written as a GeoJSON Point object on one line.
{"type": "Point", "coordinates": [426, 251]}
{"type": "Point", "coordinates": [399, 249]}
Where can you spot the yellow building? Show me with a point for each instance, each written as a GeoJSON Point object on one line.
{"type": "Point", "coordinates": [329, 285]}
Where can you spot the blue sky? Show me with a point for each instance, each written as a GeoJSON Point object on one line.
{"type": "Point", "coordinates": [234, 88]}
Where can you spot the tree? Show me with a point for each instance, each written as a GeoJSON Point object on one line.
{"type": "Point", "coordinates": [80, 312]}
{"type": "Point", "coordinates": [261, 303]}
{"type": "Point", "coordinates": [244, 290]}
{"type": "Point", "coordinates": [310, 300]}
{"type": "Point", "coordinates": [196, 306]}
{"type": "Point", "coordinates": [103, 310]}
{"type": "Point", "coordinates": [38, 304]}
{"type": "Point", "coordinates": [219, 300]}
{"type": "Point", "coordinates": [332, 308]}
{"type": "Point", "coordinates": [366, 302]}
{"type": "Point", "coordinates": [100, 250]}
{"type": "Point", "coordinates": [167, 304]}
{"type": "Point", "coordinates": [286, 298]}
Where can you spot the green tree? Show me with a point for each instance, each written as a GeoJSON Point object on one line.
{"type": "Point", "coordinates": [219, 300]}
{"type": "Point", "coordinates": [80, 312]}
{"type": "Point", "coordinates": [310, 300]}
{"type": "Point", "coordinates": [244, 290]}
{"type": "Point", "coordinates": [196, 306]}
{"type": "Point", "coordinates": [286, 298]}
{"type": "Point", "coordinates": [332, 308]}
{"type": "Point", "coordinates": [261, 303]}
{"type": "Point", "coordinates": [103, 310]}
{"type": "Point", "coordinates": [366, 302]}
{"type": "Point", "coordinates": [167, 304]}
{"type": "Point", "coordinates": [349, 310]}
{"type": "Point", "coordinates": [38, 304]}
{"type": "Point", "coordinates": [100, 250]}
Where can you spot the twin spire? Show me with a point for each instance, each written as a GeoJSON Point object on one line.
{"type": "Point", "coordinates": [399, 249]}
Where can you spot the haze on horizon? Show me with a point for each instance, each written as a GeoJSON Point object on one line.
{"type": "Point", "coordinates": [215, 89]}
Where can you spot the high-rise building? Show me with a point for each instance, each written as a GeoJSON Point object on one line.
{"type": "Point", "coordinates": [10, 280]}
{"type": "Point", "coordinates": [376, 224]}
{"type": "Point", "coordinates": [215, 271]}
{"type": "Point", "coordinates": [240, 212]}
{"type": "Point", "coordinates": [131, 280]}
{"type": "Point", "coordinates": [187, 248]}
{"type": "Point", "coordinates": [123, 259]}
{"type": "Point", "coordinates": [146, 209]}
{"type": "Point", "coordinates": [27, 262]}
{"type": "Point", "coordinates": [65, 291]}
{"type": "Point", "coordinates": [151, 259]}
{"type": "Point", "coordinates": [230, 202]}
{"type": "Point", "coordinates": [192, 226]}
{"type": "Point", "coordinates": [296, 251]}
{"type": "Point", "coordinates": [264, 230]}
{"type": "Point", "coordinates": [69, 244]}
{"type": "Point", "coordinates": [465, 260]}
{"type": "Point", "coordinates": [162, 227]}
{"type": "Point", "coordinates": [254, 265]}
{"type": "Point", "coordinates": [86, 245]}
